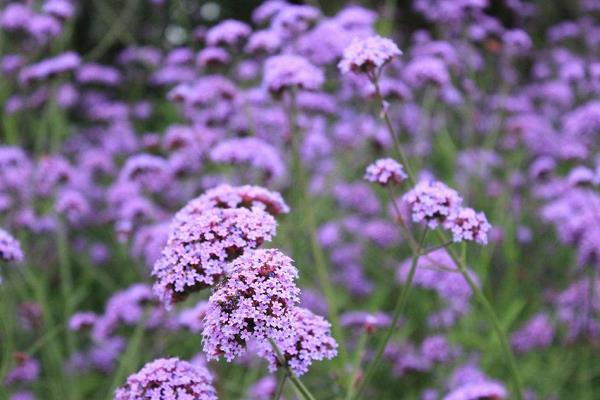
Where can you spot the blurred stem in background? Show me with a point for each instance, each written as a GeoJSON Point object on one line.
{"type": "Point", "coordinates": [306, 227]}
{"type": "Point", "coordinates": [459, 261]}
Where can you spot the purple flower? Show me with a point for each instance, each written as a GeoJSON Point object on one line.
{"type": "Point", "coordinates": [149, 171]}
{"type": "Point", "coordinates": [468, 225]}
{"type": "Point", "coordinates": [478, 390]}
{"type": "Point", "coordinates": [263, 389]}
{"type": "Point", "coordinates": [168, 378]}
{"type": "Point", "coordinates": [467, 382]}
{"type": "Point", "coordinates": [254, 303]}
{"type": "Point", "coordinates": [251, 151]}
{"type": "Point", "coordinates": [369, 322]}
{"type": "Point", "coordinates": [200, 248]}
{"type": "Point", "coordinates": [15, 16]}
{"type": "Point", "coordinates": [227, 33]}
{"type": "Point", "coordinates": [27, 369]}
{"type": "Point", "coordinates": [312, 341]}
{"type": "Point", "coordinates": [193, 318]}
{"type": "Point", "coordinates": [10, 248]}
{"type": "Point", "coordinates": [125, 307]}
{"type": "Point", "coordinates": [432, 203]}
{"type": "Point", "coordinates": [81, 320]}
{"type": "Point", "coordinates": [426, 70]}
{"type": "Point", "coordinates": [226, 196]}
{"type": "Point", "coordinates": [288, 71]}
{"type": "Point", "coordinates": [61, 9]}
{"type": "Point", "coordinates": [292, 20]}
{"type": "Point", "coordinates": [212, 56]}
{"type": "Point", "coordinates": [49, 67]}
{"type": "Point", "coordinates": [386, 171]}
{"type": "Point", "coordinates": [98, 74]}
{"type": "Point", "coordinates": [266, 41]}
{"type": "Point", "coordinates": [368, 55]}
{"type": "Point", "coordinates": [538, 332]}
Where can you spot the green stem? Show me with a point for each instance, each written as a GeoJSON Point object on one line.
{"type": "Point", "coordinates": [280, 387]}
{"type": "Point", "coordinates": [362, 343]}
{"type": "Point", "coordinates": [392, 131]}
{"type": "Point", "coordinates": [398, 309]}
{"type": "Point", "coordinates": [306, 209]}
{"type": "Point", "coordinates": [293, 378]}
{"type": "Point", "coordinates": [508, 354]}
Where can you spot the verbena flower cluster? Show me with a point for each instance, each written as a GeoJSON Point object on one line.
{"type": "Point", "coordinates": [435, 204]}
{"type": "Point", "coordinates": [168, 378]}
{"type": "Point", "coordinates": [147, 147]}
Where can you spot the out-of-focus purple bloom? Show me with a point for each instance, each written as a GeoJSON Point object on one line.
{"type": "Point", "coordinates": [357, 196]}
{"type": "Point", "coordinates": [386, 171]}
{"type": "Point", "coordinates": [538, 332]}
{"type": "Point", "coordinates": [227, 33]}
{"type": "Point", "coordinates": [98, 74]}
{"type": "Point", "coordinates": [426, 70]}
{"type": "Point", "coordinates": [61, 9]}
{"type": "Point", "coordinates": [193, 318]}
{"type": "Point", "coordinates": [168, 378]}
{"type": "Point", "coordinates": [467, 382]}
{"type": "Point", "coordinates": [368, 55]}
{"type": "Point", "coordinates": [10, 248]}
{"type": "Point", "coordinates": [369, 322]}
{"type": "Point", "coordinates": [436, 349]}
{"type": "Point", "coordinates": [263, 42]}
{"type": "Point", "coordinates": [80, 320]}
{"type": "Point", "coordinates": [47, 68]}
{"type": "Point", "coordinates": [292, 20]}
{"type": "Point", "coordinates": [27, 370]}
{"type": "Point", "coordinates": [253, 152]}
{"type": "Point", "coordinates": [263, 389]}
{"type": "Point", "coordinates": [286, 71]}
{"type": "Point", "coordinates": [125, 307]}
{"type": "Point", "coordinates": [212, 56]}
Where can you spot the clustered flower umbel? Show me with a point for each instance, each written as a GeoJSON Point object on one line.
{"type": "Point", "coordinates": [213, 242]}
{"type": "Point", "coordinates": [168, 379]}
{"type": "Point", "coordinates": [209, 233]}
{"type": "Point", "coordinates": [435, 204]}
{"type": "Point", "coordinates": [386, 171]}
{"type": "Point", "coordinates": [368, 55]}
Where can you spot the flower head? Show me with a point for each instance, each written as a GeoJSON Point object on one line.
{"type": "Point", "coordinates": [287, 71]}
{"type": "Point", "coordinates": [432, 203]}
{"type": "Point", "coordinates": [168, 378]}
{"type": "Point", "coordinates": [386, 171]}
{"type": "Point", "coordinates": [312, 341]}
{"type": "Point", "coordinates": [254, 303]}
{"type": "Point", "coordinates": [10, 248]}
{"type": "Point", "coordinates": [200, 248]}
{"type": "Point", "coordinates": [368, 55]}
{"type": "Point", "coordinates": [468, 225]}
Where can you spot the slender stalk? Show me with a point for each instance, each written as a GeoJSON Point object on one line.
{"type": "Point", "coordinates": [362, 344]}
{"type": "Point", "coordinates": [508, 354]}
{"type": "Point", "coordinates": [398, 309]}
{"type": "Point", "coordinates": [392, 131]}
{"type": "Point", "coordinates": [411, 239]}
{"type": "Point", "coordinates": [280, 387]}
{"type": "Point", "coordinates": [293, 378]}
{"type": "Point", "coordinates": [306, 209]}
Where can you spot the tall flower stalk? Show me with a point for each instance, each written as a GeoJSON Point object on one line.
{"type": "Point", "coordinates": [368, 57]}
{"type": "Point", "coordinates": [306, 225]}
